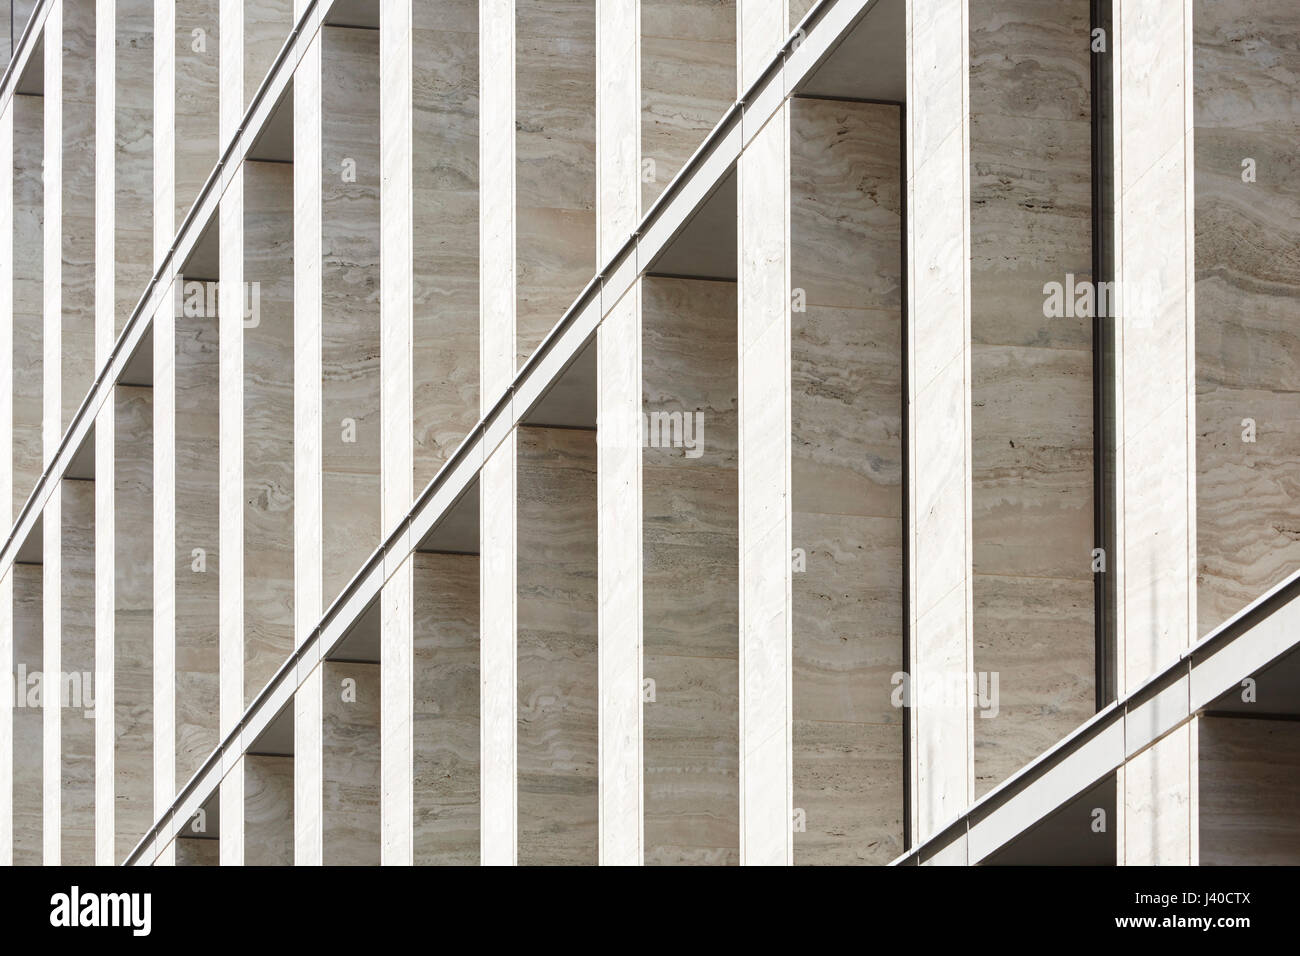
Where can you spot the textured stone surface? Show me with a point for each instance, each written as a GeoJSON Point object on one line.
{"type": "Point", "coordinates": [688, 79]}
{"type": "Point", "coordinates": [445, 217]}
{"type": "Point", "coordinates": [133, 157]}
{"type": "Point", "coordinates": [1155, 349]}
{"type": "Point", "coordinates": [268, 810]}
{"type": "Point", "coordinates": [268, 423]}
{"type": "Point", "coordinates": [846, 466]}
{"type": "Point", "coordinates": [1247, 100]}
{"type": "Point", "coordinates": [446, 728]}
{"type": "Point", "coordinates": [763, 335]}
{"type": "Point", "coordinates": [77, 347]}
{"type": "Point", "coordinates": [555, 152]}
{"type": "Point", "coordinates": [133, 704]}
{"type": "Point", "coordinates": [939, 422]}
{"type": "Point", "coordinates": [197, 852]}
{"type": "Point", "coordinates": [197, 98]}
{"type": "Point", "coordinates": [77, 657]}
{"type": "Point", "coordinates": [266, 26]}
{"type": "Point", "coordinates": [1031, 376]}
{"type": "Point", "coordinates": [349, 302]}
{"type": "Point", "coordinates": [197, 575]}
{"type": "Point", "coordinates": [690, 575]}
{"type": "Point", "coordinates": [1249, 796]}
{"type": "Point", "coordinates": [27, 724]}
{"type": "Point", "coordinates": [350, 764]}
{"type": "Point", "coordinates": [557, 730]}
{"type": "Point", "coordinates": [28, 295]}
{"type": "Point", "coordinates": [1158, 801]}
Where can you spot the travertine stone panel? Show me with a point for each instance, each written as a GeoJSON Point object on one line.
{"type": "Point", "coordinates": [132, 634]}
{"type": "Point", "coordinates": [27, 719]}
{"type": "Point", "coordinates": [268, 436]}
{"type": "Point", "coordinates": [939, 410]}
{"type": "Point", "coordinates": [1248, 792]}
{"type": "Point", "coordinates": [266, 26]}
{"type": "Point", "coordinates": [555, 144]}
{"type": "Point", "coordinates": [307, 769]}
{"type": "Point", "coordinates": [619, 579]}
{"type": "Point", "coordinates": [497, 209]}
{"type": "Point", "coordinates": [307, 341]}
{"type": "Point", "coordinates": [618, 124]}
{"type": "Point", "coordinates": [443, 207]}
{"type": "Point", "coordinates": [194, 851]}
{"type": "Point", "coordinates": [1031, 385]}
{"type": "Point", "coordinates": [764, 464]}
{"type": "Point", "coordinates": [350, 763]}
{"type": "Point", "coordinates": [618, 445]}
{"type": "Point", "coordinates": [1155, 392]}
{"type": "Point", "coordinates": [74, 684]}
{"type": "Point", "coordinates": [398, 431]}
{"type": "Point", "coordinates": [688, 79]}
{"type": "Point", "coordinates": [846, 234]}
{"type": "Point", "coordinates": [164, 558]}
{"type": "Point", "coordinates": [28, 296]}
{"type": "Point", "coordinates": [105, 546]}
{"type": "Point", "coordinates": [350, 370]}
{"type": "Point", "coordinates": [74, 271]}
{"type": "Point", "coordinates": [307, 435]}
{"type": "Point", "coordinates": [1159, 816]}
{"type": "Point", "coordinates": [131, 160]}
{"type": "Point", "coordinates": [446, 706]}
{"type": "Point", "coordinates": [690, 577]}
{"type": "Point", "coordinates": [1247, 107]}
{"type": "Point", "coordinates": [230, 459]}
{"type": "Point", "coordinates": [761, 28]}
{"type": "Point", "coordinates": [557, 668]}
{"type": "Point", "coordinates": [498, 667]}
{"type": "Point", "coordinates": [268, 810]}
{"type": "Point", "coordinates": [197, 98]}
{"type": "Point", "coordinates": [195, 562]}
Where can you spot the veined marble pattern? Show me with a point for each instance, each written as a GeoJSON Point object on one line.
{"type": "Point", "coordinates": [133, 163]}
{"type": "Point", "coordinates": [266, 26]}
{"type": "Point", "coordinates": [688, 79]}
{"type": "Point", "coordinates": [28, 294]}
{"type": "Point", "coordinates": [78, 221]}
{"type": "Point", "coordinates": [1031, 389]}
{"type": "Point", "coordinates": [350, 752]}
{"type": "Point", "coordinates": [28, 763]}
{"type": "Point", "coordinates": [193, 851]}
{"type": "Point", "coordinates": [1247, 100]}
{"type": "Point", "coordinates": [1249, 798]}
{"type": "Point", "coordinates": [268, 810]}
{"type": "Point", "coordinates": [446, 686]}
{"type": "Point", "coordinates": [557, 676]}
{"type": "Point", "coordinates": [846, 236]}
{"type": "Point", "coordinates": [445, 220]}
{"type": "Point", "coordinates": [196, 528]}
{"type": "Point", "coordinates": [555, 156]}
{"type": "Point", "coordinates": [1158, 802]}
{"type": "Point", "coordinates": [133, 703]}
{"type": "Point", "coordinates": [197, 98]}
{"type": "Point", "coordinates": [77, 729]}
{"type": "Point", "coordinates": [1045, 686]}
{"type": "Point", "coordinates": [268, 423]}
{"type": "Point", "coordinates": [350, 302]}
{"type": "Point", "coordinates": [690, 585]}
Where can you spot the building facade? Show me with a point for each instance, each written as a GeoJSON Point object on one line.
{"type": "Point", "coordinates": [650, 432]}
